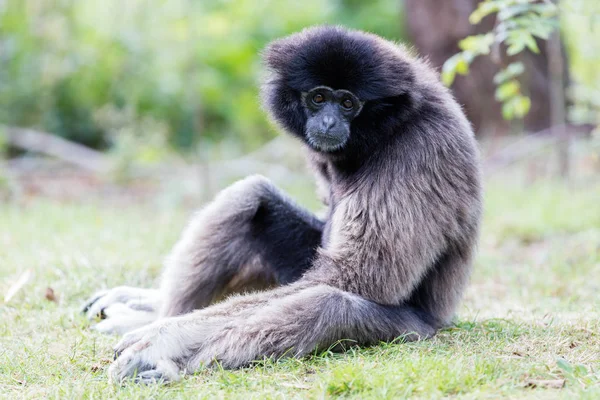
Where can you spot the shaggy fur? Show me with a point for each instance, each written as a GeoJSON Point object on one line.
{"type": "Point", "coordinates": [391, 259]}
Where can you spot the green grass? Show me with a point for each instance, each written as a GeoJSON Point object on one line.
{"type": "Point", "coordinates": [532, 312]}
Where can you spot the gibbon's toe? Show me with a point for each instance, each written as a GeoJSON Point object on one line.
{"type": "Point", "coordinates": [144, 362]}
{"type": "Point", "coordinates": [120, 319]}
{"type": "Point", "coordinates": [91, 301]}
{"type": "Point", "coordinates": [135, 298]}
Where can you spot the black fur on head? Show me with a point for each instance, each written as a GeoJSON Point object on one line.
{"type": "Point", "coordinates": [373, 69]}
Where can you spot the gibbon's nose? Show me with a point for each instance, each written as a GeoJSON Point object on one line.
{"type": "Point", "coordinates": [327, 123]}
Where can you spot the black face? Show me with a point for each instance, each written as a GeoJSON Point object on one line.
{"type": "Point", "coordinates": [329, 114]}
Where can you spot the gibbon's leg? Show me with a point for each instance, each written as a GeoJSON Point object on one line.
{"type": "Point", "coordinates": [296, 320]}
{"type": "Point", "coordinates": [251, 236]}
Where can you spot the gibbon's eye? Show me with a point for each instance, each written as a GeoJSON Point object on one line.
{"type": "Point", "coordinates": [318, 98]}
{"type": "Point", "coordinates": [347, 104]}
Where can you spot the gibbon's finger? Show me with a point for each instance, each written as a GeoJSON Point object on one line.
{"type": "Point", "coordinates": [130, 339]}
{"type": "Point", "coordinates": [149, 305]}
{"type": "Point", "coordinates": [97, 308]}
{"type": "Point", "coordinates": [146, 361]}
{"type": "Point", "coordinates": [151, 377]}
{"type": "Point", "coordinates": [121, 294]}
{"type": "Point", "coordinates": [92, 300]}
{"type": "Point", "coordinates": [120, 320]}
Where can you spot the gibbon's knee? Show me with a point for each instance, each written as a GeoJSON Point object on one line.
{"type": "Point", "coordinates": [219, 229]}
{"type": "Point", "coordinates": [251, 237]}
{"type": "Point", "coordinates": [242, 198]}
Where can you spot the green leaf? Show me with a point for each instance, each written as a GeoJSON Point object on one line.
{"type": "Point", "coordinates": [484, 9]}
{"type": "Point", "coordinates": [518, 39]}
{"type": "Point", "coordinates": [581, 370]}
{"type": "Point", "coordinates": [468, 56]}
{"type": "Point", "coordinates": [449, 69]}
{"type": "Point", "coordinates": [511, 11]}
{"type": "Point", "coordinates": [507, 90]}
{"type": "Point", "coordinates": [3, 140]}
{"type": "Point", "coordinates": [515, 41]}
{"type": "Point", "coordinates": [478, 44]}
{"type": "Point", "coordinates": [545, 9]}
{"type": "Point", "coordinates": [457, 64]}
{"type": "Point", "coordinates": [515, 48]}
{"type": "Point", "coordinates": [531, 43]}
{"type": "Point", "coordinates": [564, 365]}
{"type": "Point", "coordinates": [516, 107]}
{"type": "Point", "coordinates": [462, 68]}
{"type": "Point", "coordinates": [522, 105]}
{"type": "Point", "coordinates": [507, 111]}
{"type": "Point", "coordinates": [448, 77]}
{"type": "Point", "coordinates": [511, 71]}
{"type": "Point", "coordinates": [543, 28]}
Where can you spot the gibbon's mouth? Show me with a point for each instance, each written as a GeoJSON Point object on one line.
{"type": "Point", "coordinates": [326, 142]}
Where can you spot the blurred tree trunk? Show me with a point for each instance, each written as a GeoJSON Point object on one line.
{"type": "Point", "coordinates": [436, 27]}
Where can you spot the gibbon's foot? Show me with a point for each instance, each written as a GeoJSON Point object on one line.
{"type": "Point", "coordinates": [134, 298]}
{"type": "Point", "coordinates": [172, 347]}
{"type": "Point", "coordinates": [120, 319]}
{"type": "Point", "coordinates": [232, 333]}
{"type": "Point", "coordinates": [123, 308]}
{"type": "Point", "coordinates": [289, 321]}
{"type": "Point", "coordinates": [150, 354]}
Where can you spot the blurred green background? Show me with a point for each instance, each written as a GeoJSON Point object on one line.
{"type": "Point", "coordinates": [185, 70]}
{"type": "Point", "coordinates": [154, 83]}
{"type": "Point", "coordinates": [182, 71]}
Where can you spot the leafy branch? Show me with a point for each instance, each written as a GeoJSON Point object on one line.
{"type": "Point", "coordinates": [518, 24]}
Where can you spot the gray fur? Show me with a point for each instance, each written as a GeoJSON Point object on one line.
{"type": "Point", "coordinates": [393, 260]}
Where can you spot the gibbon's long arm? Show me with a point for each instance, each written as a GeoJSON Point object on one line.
{"type": "Point", "coordinates": [334, 300]}
{"type": "Point", "coordinates": [292, 321]}
{"type": "Point", "coordinates": [250, 237]}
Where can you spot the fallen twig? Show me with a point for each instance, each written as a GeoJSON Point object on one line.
{"type": "Point", "coordinates": [18, 285]}
{"type": "Point", "coordinates": [46, 143]}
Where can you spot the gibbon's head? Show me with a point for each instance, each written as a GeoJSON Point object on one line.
{"type": "Point", "coordinates": [341, 91]}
